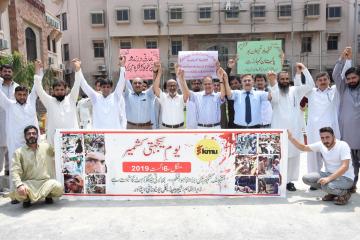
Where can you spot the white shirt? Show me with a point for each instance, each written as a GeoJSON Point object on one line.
{"type": "Point", "coordinates": [334, 157]}
{"type": "Point", "coordinates": [108, 112]}
{"type": "Point", "coordinates": [18, 117]}
{"type": "Point", "coordinates": [9, 92]}
{"type": "Point", "coordinates": [322, 112]}
{"type": "Point", "coordinates": [172, 109]}
{"type": "Point", "coordinates": [60, 115]}
{"type": "Point", "coordinates": [266, 112]}
{"type": "Point", "coordinates": [286, 108]}
{"type": "Point", "coordinates": [84, 109]}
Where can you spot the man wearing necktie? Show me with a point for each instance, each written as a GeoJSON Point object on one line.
{"type": "Point", "coordinates": [247, 103]}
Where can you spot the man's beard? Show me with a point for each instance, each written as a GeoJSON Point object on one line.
{"type": "Point", "coordinates": [284, 88]}
{"type": "Point", "coordinates": [7, 77]}
{"type": "Point", "coordinates": [21, 103]}
{"type": "Point", "coordinates": [31, 140]}
{"type": "Point", "coordinates": [59, 98]}
{"type": "Point", "coordinates": [353, 86]}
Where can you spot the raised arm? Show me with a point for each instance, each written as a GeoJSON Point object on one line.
{"type": "Point", "coordinates": [157, 77]}
{"type": "Point", "coordinates": [74, 93]}
{"type": "Point", "coordinates": [309, 82]}
{"type": "Point", "coordinates": [223, 76]}
{"type": "Point", "coordinates": [44, 97]}
{"type": "Point", "coordinates": [230, 66]}
{"type": "Point", "coordinates": [120, 86]}
{"type": "Point", "coordinates": [274, 94]}
{"type": "Point", "coordinates": [89, 91]}
{"type": "Point", "coordinates": [182, 83]}
{"type": "Point", "coordinates": [297, 144]}
{"type": "Point", "coordinates": [339, 68]}
{"type": "Point", "coordinates": [40, 73]}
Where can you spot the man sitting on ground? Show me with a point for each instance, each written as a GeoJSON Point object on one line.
{"type": "Point", "coordinates": [338, 177]}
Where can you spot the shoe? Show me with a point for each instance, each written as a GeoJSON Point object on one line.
{"type": "Point", "coordinates": [313, 188]}
{"type": "Point", "coordinates": [49, 200]}
{"type": "Point", "coordinates": [7, 172]}
{"type": "Point", "coordinates": [329, 197]}
{"type": "Point", "coordinates": [290, 187]}
{"type": "Point", "coordinates": [342, 200]}
{"type": "Point", "coordinates": [26, 204]}
{"type": "Point", "coordinates": [14, 201]}
{"type": "Point", "coordinates": [353, 189]}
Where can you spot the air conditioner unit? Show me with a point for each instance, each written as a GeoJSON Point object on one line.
{"type": "Point", "coordinates": [102, 68]}
{"type": "Point", "coordinates": [50, 60]}
{"type": "Point", "coordinates": [3, 44]}
{"type": "Point", "coordinates": [172, 65]}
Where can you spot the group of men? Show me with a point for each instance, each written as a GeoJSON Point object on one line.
{"type": "Point", "coordinates": [229, 102]}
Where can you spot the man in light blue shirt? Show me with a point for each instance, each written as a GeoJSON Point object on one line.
{"type": "Point", "coordinates": [138, 104]}
{"type": "Point", "coordinates": [247, 103]}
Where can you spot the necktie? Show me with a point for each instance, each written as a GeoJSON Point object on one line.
{"type": "Point", "coordinates": [247, 108]}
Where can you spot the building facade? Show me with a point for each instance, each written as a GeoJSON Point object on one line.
{"type": "Point", "coordinates": [312, 32]}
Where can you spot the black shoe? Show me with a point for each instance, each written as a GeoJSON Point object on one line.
{"type": "Point", "coordinates": [313, 189]}
{"type": "Point", "coordinates": [26, 204]}
{"type": "Point", "coordinates": [7, 172]}
{"type": "Point", "coordinates": [49, 200]}
{"type": "Point", "coordinates": [290, 187]}
{"type": "Point", "coordinates": [14, 201]}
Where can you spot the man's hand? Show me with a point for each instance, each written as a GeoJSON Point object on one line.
{"type": "Point", "coordinates": [22, 190]}
{"type": "Point", "coordinates": [122, 61]}
{"type": "Point", "coordinates": [300, 68]}
{"type": "Point", "coordinates": [77, 64]}
{"type": "Point", "coordinates": [231, 63]}
{"type": "Point", "coordinates": [157, 69]}
{"type": "Point", "coordinates": [220, 72]}
{"type": "Point", "coordinates": [324, 180]}
{"type": "Point", "coordinates": [346, 54]}
{"type": "Point", "coordinates": [179, 72]}
{"type": "Point", "coordinates": [271, 76]}
{"type": "Point", "coordinates": [38, 66]}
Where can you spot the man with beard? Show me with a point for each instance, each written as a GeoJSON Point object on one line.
{"type": "Point", "coordinates": [61, 108]}
{"type": "Point", "coordinates": [8, 88]}
{"type": "Point", "coordinates": [108, 107]}
{"type": "Point", "coordinates": [172, 104]}
{"type": "Point", "coordinates": [286, 106]}
{"type": "Point", "coordinates": [338, 177]}
{"type": "Point", "coordinates": [247, 103]}
{"type": "Point", "coordinates": [349, 110]}
{"type": "Point", "coordinates": [33, 169]}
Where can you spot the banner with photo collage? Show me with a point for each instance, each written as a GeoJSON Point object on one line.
{"type": "Point", "coordinates": [171, 164]}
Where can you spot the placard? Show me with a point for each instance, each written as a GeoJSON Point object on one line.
{"type": "Point", "coordinates": [198, 64]}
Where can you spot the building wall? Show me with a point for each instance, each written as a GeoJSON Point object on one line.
{"type": "Point", "coordinates": [5, 31]}
{"type": "Point", "coordinates": [198, 35]}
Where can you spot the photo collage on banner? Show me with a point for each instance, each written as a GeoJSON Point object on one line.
{"type": "Point", "coordinates": [257, 163]}
{"type": "Point", "coordinates": [84, 155]}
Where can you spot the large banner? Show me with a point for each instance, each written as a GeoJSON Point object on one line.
{"type": "Point", "coordinates": [140, 62]}
{"type": "Point", "coordinates": [259, 56]}
{"type": "Point", "coordinates": [171, 164]}
{"type": "Point", "coordinates": [198, 64]}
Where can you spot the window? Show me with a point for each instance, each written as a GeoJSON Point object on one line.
{"type": "Point", "coordinates": [31, 52]}
{"type": "Point", "coordinates": [232, 13]}
{"type": "Point", "coordinates": [204, 13]}
{"type": "Point", "coordinates": [53, 45]}
{"type": "Point", "coordinates": [306, 44]}
{"type": "Point", "coordinates": [48, 43]}
{"type": "Point", "coordinates": [1, 22]}
{"type": "Point", "coordinates": [97, 18]}
{"type": "Point", "coordinates": [66, 52]}
{"type": "Point", "coordinates": [333, 12]}
{"type": "Point", "coordinates": [64, 22]}
{"type": "Point", "coordinates": [332, 42]}
{"type": "Point", "coordinates": [358, 43]}
{"type": "Point", "coordinates": [123, 15]}
{"type": "Point", "coordinates": [150, 14]}
{"type": "Point", "coordinates": [98, 49]}
{"type": "Point", "coordinates": [284, 11]}
{"type": "Point", "coordinates": [282, 39]}
{"type": "Point", "coordinates": [258, 12]}
{"type": "Point", "coordinates": [176, 46]}
{"type": "Point", "coordinates": [176, 14]}
{"type": "Point", "coordinates": [150, 43]}
{"type": "Point", "coordinates": [125, 44]}
{"type": "Point", "coordinates": [312, 10]}
{"type": "Point", "coordinates": [223, 53]}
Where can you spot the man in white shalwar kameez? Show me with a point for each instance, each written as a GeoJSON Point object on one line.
{"type": "Point", "coordinates": [322, 112]}
{"type": "Point", "coordinates": [286, 106]}
{"type": "Point", "coordinates": [61, 108]}
{"type": "Point", "coordinates": [108, 108]}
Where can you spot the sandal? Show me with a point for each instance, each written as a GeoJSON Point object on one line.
{"type": "Point", "coordinates": [328, 197]}
{"type": "Point", "coordinates": [342, 200]}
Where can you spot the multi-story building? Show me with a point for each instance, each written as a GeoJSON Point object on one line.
{"type": "Point", "coordinates": [314, 32]}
